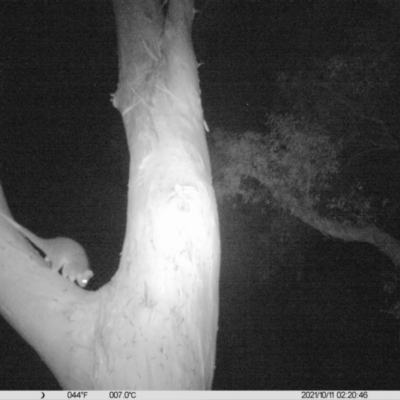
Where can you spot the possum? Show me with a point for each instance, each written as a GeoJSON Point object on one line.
{"type": "Point", "coordinates": [64, 255]}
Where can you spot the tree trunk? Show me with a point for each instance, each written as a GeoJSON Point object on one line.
{"type": "Point", "coordinates": [154, 325]}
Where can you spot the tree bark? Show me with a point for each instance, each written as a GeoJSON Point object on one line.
{"type": "Point", "coordinates": [366, 233]}
{"type": "Point", "coordinates": [154, 325]}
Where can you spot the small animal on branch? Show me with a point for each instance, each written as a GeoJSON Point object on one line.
{"type": "Point", "coordinates": [63, 254]}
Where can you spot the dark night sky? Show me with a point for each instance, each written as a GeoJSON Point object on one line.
{"type": "Point", "coordinates": [63, 163]}
{"type": "Point", "coordinates": [60, 67]}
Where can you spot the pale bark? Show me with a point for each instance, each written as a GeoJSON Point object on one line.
{"type": "Point", "coordinates": [154, 325]}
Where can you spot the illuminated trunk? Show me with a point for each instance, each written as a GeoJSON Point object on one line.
{"type": "Point", "coordinates": [166, 289]}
